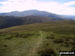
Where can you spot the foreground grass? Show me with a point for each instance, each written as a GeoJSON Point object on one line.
{"type": "Point", "coordinates": [45, 39]}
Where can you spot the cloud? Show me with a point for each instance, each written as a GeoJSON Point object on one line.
{"type": "Point", "coordinates": [54, 7]}
{"type": "Point", "coordinates": [70, 3]}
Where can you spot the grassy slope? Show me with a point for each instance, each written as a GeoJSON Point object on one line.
{"type": "Point", "coordinates": [38, 39]}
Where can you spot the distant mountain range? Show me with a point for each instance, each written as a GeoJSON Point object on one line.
{"type": "Point", "coordinates": [37, 13]}
{"type": "Point", "coordinates": [69, 16]}
{"type": "Point", "coordinates": [27, 17]}
{"type": "Point", "coordinates": [31, 12]}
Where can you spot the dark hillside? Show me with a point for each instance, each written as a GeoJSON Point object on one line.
{"type": "Point", "coordinates": [9, 21]}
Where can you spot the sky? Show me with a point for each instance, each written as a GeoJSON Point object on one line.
{"type": "Point", "coordinates": [61, 7]}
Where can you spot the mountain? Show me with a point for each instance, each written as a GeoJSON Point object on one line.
{"type": "Point", "coordinates": [27, 17]}
{"type": "Point", "coordinates": [35, 33]}
{"type": "Point", "coordinates": [69, 16]}
{"type": "Point", "coordinates": [9, 21]}
{"type": "Point", "coordinates": [32, 12]}
{"type": "Point", "coordinates": [16, 13]}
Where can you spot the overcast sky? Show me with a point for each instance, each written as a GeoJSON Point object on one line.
{"type": "Point", "coordinates": [61, 7]}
